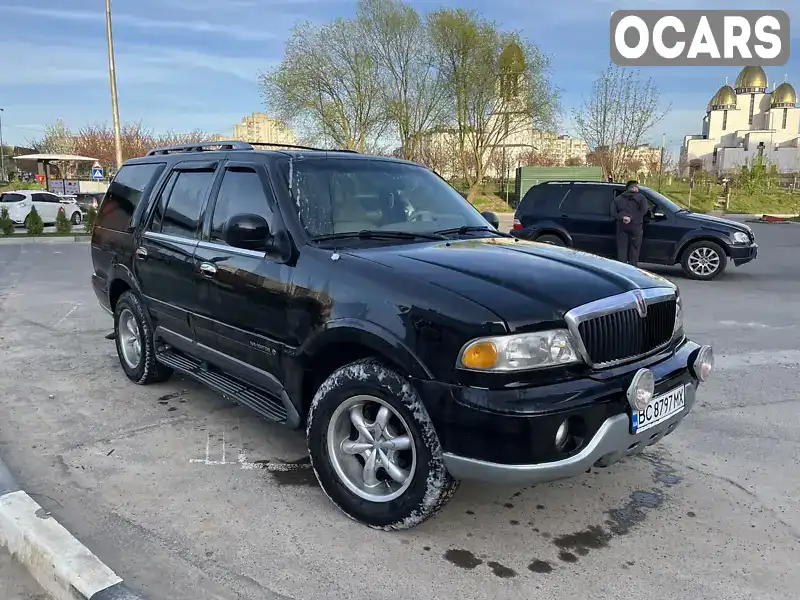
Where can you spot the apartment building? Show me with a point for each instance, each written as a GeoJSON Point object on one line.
{"type": "Point", "coordinates": [260, 127]}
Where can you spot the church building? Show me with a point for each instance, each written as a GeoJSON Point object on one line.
{"type": "Point", "coordinates": [745, 122]}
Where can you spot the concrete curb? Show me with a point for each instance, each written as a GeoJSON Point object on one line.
{"type": "Point", "coordinates": [26, 239]}
{"type": "Point", "coordinates": [63, 566]}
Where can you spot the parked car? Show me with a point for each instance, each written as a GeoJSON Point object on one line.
{"type": "Point", "coordinates": [90, 200]}
{"type": "Point", "coordinates": [20, 202]}
{"type": "Point", "coordinates": [362, 299]}
{"type": "Point", "coordinates": [579, 214]}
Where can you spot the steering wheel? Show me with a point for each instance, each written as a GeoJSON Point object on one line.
{"type": "Point", "coordinates": [422, 216]}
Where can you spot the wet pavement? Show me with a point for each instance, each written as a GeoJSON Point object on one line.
{"type": "Point", "coordinates": [189, 497]}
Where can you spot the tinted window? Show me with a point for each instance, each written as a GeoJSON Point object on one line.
{"type": "Point", "coordinates": [345, 195]}
{"type": "Point", "coordinates": [45, 198]}
{"type": "Point", "coordinates": [241, 192]}
{"type": "Point", "coordinates": [124, 194]}
{"type": "Point", "coordinates": [182, 213]}
{"type": "Point", "coordinates": [11, 197]}
{"type": "Point", "coordinates": [588, 201]}
{"type": "Point", "coordinates": [542, 199]}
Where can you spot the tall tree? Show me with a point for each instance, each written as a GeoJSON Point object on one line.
{"type": "Point", "coordinates": [412, 88]}
{"type": "Point", "coordinates": [329, 85]}
{"type": "Point", "coordinates": [622, 108]}
{"type": "Point", "coordinates": [57, 139]}
{"type": "Point", "coordinates": [498, 85]}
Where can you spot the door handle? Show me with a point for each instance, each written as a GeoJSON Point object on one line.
{"type": "Point", "coordinates": [208, 269]}
{"type": "Point", "coordinates": [141, 253]}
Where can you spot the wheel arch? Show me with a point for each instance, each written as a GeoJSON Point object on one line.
{"type": "Point", "coordinates": [700, 237]}
{"type": "Point", "coordinates": [120, 281]}
{"type": "Point", "coordinates": [346, 341]}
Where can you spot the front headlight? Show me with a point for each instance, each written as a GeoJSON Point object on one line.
{"type": "Point", "coordinates": [520, 352]}
{"type": "Point", "coordinates": [740, 238]}
{"type": "Point", "coordinates": [677, 330]}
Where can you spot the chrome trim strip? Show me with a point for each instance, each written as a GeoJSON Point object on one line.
{"type": "Point", "coordinates": [610, 305]}
{"type": "Point", "coordinates": [232, 250]}
{"type": "Point", "coordinates": [165, 237]}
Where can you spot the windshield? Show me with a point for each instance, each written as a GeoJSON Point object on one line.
{"type": "Point", "coordinates": [340, 196]}
{"type": "Point", "coordinates": [665, 202]}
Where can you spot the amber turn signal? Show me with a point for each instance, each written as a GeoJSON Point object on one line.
{"type": "Point", "coordinates": [480, 355]}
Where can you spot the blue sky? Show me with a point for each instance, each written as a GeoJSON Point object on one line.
{"type": "Point", "coordinates": [185, 64]}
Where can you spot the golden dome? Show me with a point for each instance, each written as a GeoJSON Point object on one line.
{"type": "Point", "coordinates": [725, 97]}
{"type": "Point", "coordinates": [784, 95]}
{"type": "Point", "coordinates": [751, 77]}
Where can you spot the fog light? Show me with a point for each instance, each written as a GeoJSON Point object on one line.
{"type": "Point", "coordinates": [641, 389]}
{"type": "Point", "coordinates": [704, 363]}
{"type": "Point", "coordinates": [562, 434]}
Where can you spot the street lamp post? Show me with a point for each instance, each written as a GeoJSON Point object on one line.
{"type": "Point", "coordinates": [113, 77]}
{"type": "Point", "coordinates": [3, 176]}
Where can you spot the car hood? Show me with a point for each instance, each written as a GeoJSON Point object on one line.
{"type": "Point", "coordinates": [716, 223]}
{"type": "Point", "coordinates": [523, 283]}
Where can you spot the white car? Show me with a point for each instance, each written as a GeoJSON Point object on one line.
{"type": "Point", "coordinates": [19, 205]}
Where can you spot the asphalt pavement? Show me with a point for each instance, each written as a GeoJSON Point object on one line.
{"type": "Point", "coordinates": [186, 496]}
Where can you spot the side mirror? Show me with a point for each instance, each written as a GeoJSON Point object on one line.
{"type": "Point", "coordinates": [247, 231]}
{"type": "Point", "coordinates": [491, 218]}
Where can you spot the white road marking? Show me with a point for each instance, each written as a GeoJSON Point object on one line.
{"type": "Point", "coordinates": [752, 325]}
{"type": "Point", "coordinates": [242, 462]}
{"type": "Point", "coordinates": [66, 316]}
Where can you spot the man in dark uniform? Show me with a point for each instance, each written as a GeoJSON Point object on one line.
{"type": "Point", "coordinates": [630, 208]}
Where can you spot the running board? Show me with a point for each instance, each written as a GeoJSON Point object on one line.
{"type": "Point", "coordinates": [225, 385]}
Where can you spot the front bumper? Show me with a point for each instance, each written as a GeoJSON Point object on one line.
{"type": "Point", "coordinates": [743, 254]}
{"type": "Point", "coordinates": [612, 442]}
{"type": "Point", "coordinates": [507, 435]}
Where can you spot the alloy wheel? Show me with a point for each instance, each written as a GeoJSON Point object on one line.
{"type": "Point", "coordinates": [703, 261]}
{"type": "Point", "coordinates": [371, 448]}
{"type": "Point", "coordinates": [130, 339]}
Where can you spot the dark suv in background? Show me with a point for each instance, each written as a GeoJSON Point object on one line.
{"type": "Point", "coordinates": [580, 215]}
{"type": "Point", "coordinates": [362, 299]}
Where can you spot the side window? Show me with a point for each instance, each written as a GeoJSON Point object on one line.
{"type": "Point", "coordinates": [124, 194]}
{"type": "Point", "coordinates": [181, 215]}
{"type": "Point", "coordinates": [44, 198]}
{"type": "Point", "coordinates": [241, 191]}
{"type": "Point", "coordinates": [161, 202]}
{"type": "Point", "coordinates": [590, 201]}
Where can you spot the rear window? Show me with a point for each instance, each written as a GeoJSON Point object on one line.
{"type": "Point", "coordinates": [9, 197]}
{"type": "Point", "coordinates": [542, 199]}
{"type": "Point", "coordinates": [125, 193]}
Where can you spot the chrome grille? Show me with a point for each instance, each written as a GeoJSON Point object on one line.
{"type": "Point", "coordinates": [612, 331]}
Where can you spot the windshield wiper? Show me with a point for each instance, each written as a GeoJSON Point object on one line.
{"type": "Point", "coordinates": [374, 234]}
{"type": "Point", "coordinates": [468, 228]}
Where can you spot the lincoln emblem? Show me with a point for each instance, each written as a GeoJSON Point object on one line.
{"type": "Point", "coordinates": [641, 305]}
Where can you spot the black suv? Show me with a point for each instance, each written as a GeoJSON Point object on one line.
{"type": "Point", "coordinates": [579, 214]}
{"type": "Point", "coordinates": [364, 299]}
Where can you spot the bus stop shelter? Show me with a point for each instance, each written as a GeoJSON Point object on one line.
{"type": "Point", "coordinates": [43, 162]}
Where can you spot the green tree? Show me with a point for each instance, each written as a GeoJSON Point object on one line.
{"type": "Point", "coordinates": [6, 224]}
{"type": "Point", "coordinates": [91, 217]}
{"type": "Point", "coordinates": [34, 223]}
{"type": "Point", "coordinates": [63, 224]}
{"type": "Point", "coordinates": [57, 139]}
{"type": "Point", "coordinates": [329, 85]}
{"type": "Point", "coordinates": [497, 83]}
{"type": "Point", "coordinates": [412, 89]}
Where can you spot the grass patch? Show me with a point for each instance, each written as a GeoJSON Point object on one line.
{"type": "Point", "coordinates": [493, 203]}
{"type": "Point", "coordinates": [704, 197]}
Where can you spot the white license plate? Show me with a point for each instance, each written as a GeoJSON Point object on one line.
{"type": "Point", "coordinates": [659, 410]}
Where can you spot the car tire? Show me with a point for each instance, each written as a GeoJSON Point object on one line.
{"type": "Point", "coordinates": [76, 218]}
{"type": "Point", "coordinates": [135, 344]}
{"type": "Point", "coordinates": [370, 390]}
{"type": "Point", "coordinates": [704, 260]}
{"type": "Point", "coordinates": [553, 240]}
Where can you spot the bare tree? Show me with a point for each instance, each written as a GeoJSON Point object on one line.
{"type": "Point", "coordinates": [497, 84]}
{"type": "Point", "coordinates": [413, 90]}
{"type": "Point", "coordinates": [574, 161]}
{"type": "Point", "coordinates": [329, 85]}
{"type": "Point", "coordinates": [622, 108]}
{"type": "Point", "coordinates": [541, 157]}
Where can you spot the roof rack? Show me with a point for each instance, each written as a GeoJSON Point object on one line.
{"type": "Point", "coordinates": [296, 147]}
{"type": "Point", "coordinates": [201, 147]}
{"type": "Point", "coordinates": [232, 145]}
{"type": "Point", "coordinates": [562, 181]}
